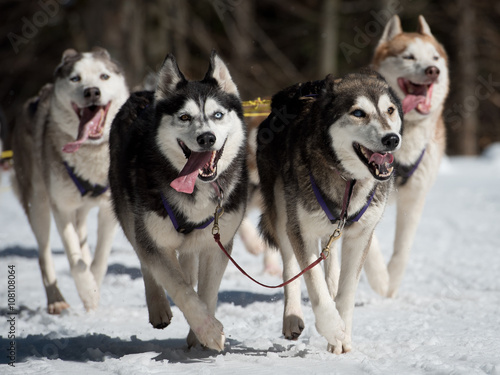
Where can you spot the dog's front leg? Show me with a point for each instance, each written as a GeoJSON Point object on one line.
{"type": "Point", "coordinates": [80, 270]}
{"type": "Point", "coordinates": [165, 269]}
{"type": "Point", "coordinates": [105, 232]}
{"type": "Point", "coordinates": [293, 318]}
{"type": "Point", "coordinates": [159, 310]}
{"type": "Point", "coordinates": [213, 262]}
{"type": "Point", "coordinates": [411, 200]}
{"type": "Point", "coordinates": [328, 321]}
{"type": "Point", "coordinates": [355, 247]}
{"type": "Point", "coordinates": [376, 269]}
{"type": "Point", "coordinates": [332, 267]}
{"type": "Point", "coordinates": [81, 230]}
{"type": "Point", "coordinates": [39, 218]}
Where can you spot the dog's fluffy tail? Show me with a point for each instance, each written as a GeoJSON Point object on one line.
{"type": "Point", "coordinates": [26, 175]}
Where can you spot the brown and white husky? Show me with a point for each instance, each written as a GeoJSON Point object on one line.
{"type": "Point", "coordinates": [416, 66]}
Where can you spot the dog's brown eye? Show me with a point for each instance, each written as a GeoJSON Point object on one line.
{"type": "Point", "coordinates": [390, 110]}
{"type": "Point", "coordinates": [75, 79]}
{"type": "Point", "coordinates": [185, 118]}
{"type": "Point", "coordinates": [104, 77]}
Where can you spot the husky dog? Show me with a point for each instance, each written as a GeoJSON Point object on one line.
{"type": "Point", "coordinates": [324, 157]}
{"type": "Point", "coordinates": [61, 161]}
{"type": "Point", "coordinates": [249, 234]}
{"type": "Point", "coordinates": [415, 65]}
{"type": "Point", "coordinates": [175, 154]}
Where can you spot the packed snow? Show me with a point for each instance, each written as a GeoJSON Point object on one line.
{"type": "Point", "coordinates": [445, 320]}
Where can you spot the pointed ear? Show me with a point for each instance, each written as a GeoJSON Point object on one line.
{"type": "Point", "coordinates": [69, 56]}
{"type": "Point", "coordinates": [392, 29]}
{"type": "Point", "coordinates": [219, 71]}
{"type": "Point", "coordinates": [330, 82]}
{"type": "Point", "coordinates": [168, 78]}
{"type": "Point", "coordinates": [101, 52]}
{"type": "Point", "coordinates": [423, 28]}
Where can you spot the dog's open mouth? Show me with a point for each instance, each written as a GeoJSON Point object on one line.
{"type": "Point", "coordinates": [417, 96]}
{"type": "Point", "coordinates": [91, 126]}
{"type": "Point", "coordinates": [379, 164]}
{"type": "Point", "coordinates": [202, 165]}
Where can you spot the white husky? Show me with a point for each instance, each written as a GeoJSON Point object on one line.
{"type": "Point", "coordinates": [61, 161]}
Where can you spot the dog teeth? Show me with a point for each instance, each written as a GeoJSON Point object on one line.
{"type": "Point", "coordinates": [364, 151]}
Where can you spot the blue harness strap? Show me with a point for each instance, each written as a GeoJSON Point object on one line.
{"type": "Point", "coordinates": [328, 206]}
{"type": "Point", "coordinates": [180, 224]}
{"type": "Point", "coordinates": [84, 186]}
{"type": "Point", "coordinates": [405, 172]}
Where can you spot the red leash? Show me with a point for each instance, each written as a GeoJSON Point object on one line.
{"type": "Point", "coordinates": [324, 254]}
{"type": "Point", "coordinates": [337, 233]}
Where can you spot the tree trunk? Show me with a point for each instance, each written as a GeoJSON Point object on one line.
{"type": "Point", "coordinates": [467, 67]}
{"type": "Point", "coordinates": [329, 34]}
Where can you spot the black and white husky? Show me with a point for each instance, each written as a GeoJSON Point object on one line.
{"type": "Point", "coordinates": [324, 160]}
{"type": "Point", "coordinates": [61, 162]}
{"type": "Point", "coordinates": [175, 154]}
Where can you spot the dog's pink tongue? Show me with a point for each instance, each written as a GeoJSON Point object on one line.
{"type": "Point", "coordinates": [187, 177]}
{"type": "Point", "coordinates": [89, 120]}
{"type": "Point", "coordinates": [411, 102]}
{"type": "Point", "coordinates": [380, 159]}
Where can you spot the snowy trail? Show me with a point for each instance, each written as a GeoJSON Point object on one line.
{"type": "Point", "coordinates": [446, 319]}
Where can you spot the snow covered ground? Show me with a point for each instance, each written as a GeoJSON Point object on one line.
{"type": "Point", "coordinates": [446, 319]}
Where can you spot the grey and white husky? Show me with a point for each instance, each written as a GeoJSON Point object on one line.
{"type": "Point", "coordinates": [324, 160]}
{"type": "Point", "coordinates": [177, 153]}
{"type": "Point", "coordinates": [61, 161]}
{"type": "Point", "coordinates": [416, 67]}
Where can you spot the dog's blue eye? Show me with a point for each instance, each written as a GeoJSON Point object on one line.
{"type": "Point", "coordinates": [218, 115]}
{"type": "Point", "coordinates": [409, 57]}
{"type": "Point", "coordinates": [436, 58]}
{"type": "Point", "coordinates": [358, 113]}
{"type": "Point", "coordinates": [75, 79]}
{"type": "Point", "coordinates": [104, 77]}
{"type": "Point", "coordinates": [185, 118]}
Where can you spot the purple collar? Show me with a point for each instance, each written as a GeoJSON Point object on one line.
{"type": "Point", "coordinates": [180, 223]}
{"type": "Point", "coordinates": [85, 187]}
{"type": "Point", "coordinates": [329, 207]}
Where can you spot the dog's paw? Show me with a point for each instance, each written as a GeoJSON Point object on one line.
{"type": "Point", "coordinates": [340, 346]}
{"type": "Point", "coordinates": [379, 283]}
{"type": "Point", "coordinates": [55, 301]}
{"type": "Point", "coordinates": [91, 301]}
{"type": "Point", "coordinates": [293, 325]}
{"type": "Point", "coordinates": [57, 307]}
{"type": "Point", "coordinates": [192, 340]}
{"type": "Point", "coordinates": [160, 314]}
{"type": "Point", "coordinates": [209, 334]}
{"type": "Point", "coordinates": [392, 292]}
{"type": "Point", "coordinates": [330, 325]}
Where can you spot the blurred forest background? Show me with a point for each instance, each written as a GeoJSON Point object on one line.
{"type": "Point", "coordinates": [268, 45]}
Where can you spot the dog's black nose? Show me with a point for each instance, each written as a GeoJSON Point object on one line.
{"type": "Point", "coordinates": [391, 141]}
{"type": "Point", "coordinates": [92, 93]}
{"type": "Point", "coordinates": [206, 140]}
{"type": "Point", "coordinates": [432, 72]}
